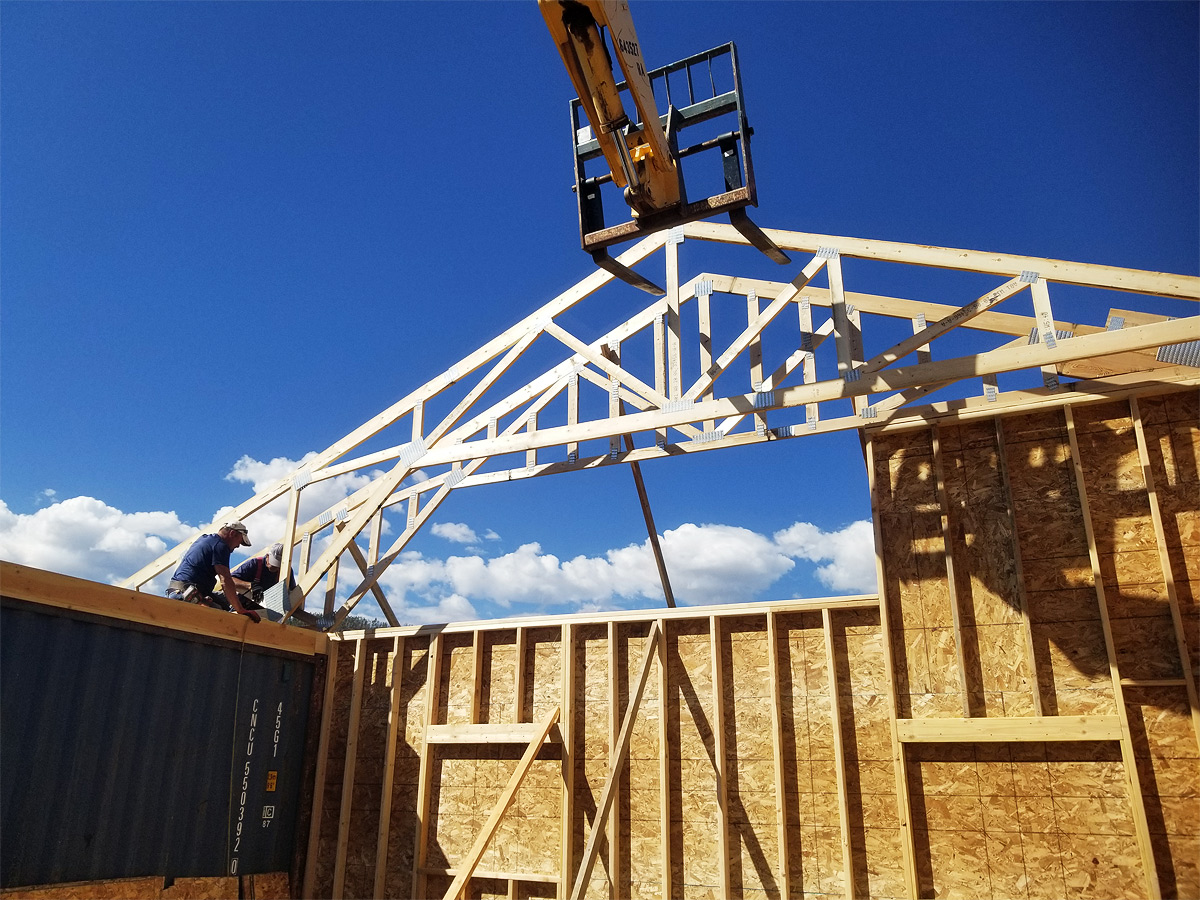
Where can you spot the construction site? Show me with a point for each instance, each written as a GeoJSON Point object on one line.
{"type": "Point", "coordinates": [1012, 714]}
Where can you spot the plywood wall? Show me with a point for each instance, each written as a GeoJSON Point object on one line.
{"type": "Point", "coordinates": [1014, 717]}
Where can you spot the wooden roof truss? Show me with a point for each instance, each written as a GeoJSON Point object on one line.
{"type": "Point", "coordinates": [469, 425]}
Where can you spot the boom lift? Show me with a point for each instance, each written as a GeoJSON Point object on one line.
{"type": "Point", "coordinates": [641, 149]}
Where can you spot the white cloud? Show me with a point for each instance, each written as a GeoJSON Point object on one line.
{"type": "Point", "coordinates": [850, 553]}
{"type": "Point", "coordinates": [456, 532]}
{"type": "Point", "coordinates": [86, 537]}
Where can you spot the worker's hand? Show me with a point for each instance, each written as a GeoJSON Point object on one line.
{"type": "Point", "coordinates": [249, 614]}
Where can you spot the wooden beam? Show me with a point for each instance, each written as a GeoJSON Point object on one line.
{"type": "Point", "coordinates": [467, 866]}
{"type": "Point", "coordinates": [664, 762]}
{"type": "Point", "coordinates": [719, 762]}
{"type": "Point", "coordinates": [433, 675]}
{"type": "Point", "coordinates": [347, 807]}
{"type": "Point", "coordinates": [1004, 729]}
{"type": "Point", "coordinates": [389, 768]}
{"type": "Point", "coordinates": [617, 761]}
{"type": "Point", "coordinates": [502, 733]}
{"type": "Point", "coordinates": [674, 359]}
{"type": "Point", "coordinates": [899, 762]}
{"type": "Point", "coordinates": [308, 884]}
{"type": "Point", "coordinates": [570, 744]}
{"type": "Point", "coordinates": [52, 589]}
{"type": "Point", "coordinates": [1087, 274]}
{"type": "Point", "coordinates": [613, 824]}
{"type": "Point", "coordinates": [1133, 785]}
{"type": "Point", "coordinates": [839, 757]}
{"type": "Point", "coordinates": [783, 869]}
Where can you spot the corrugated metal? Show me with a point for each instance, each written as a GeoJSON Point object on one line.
{"type": "Point", "coordinates": [125, 751]}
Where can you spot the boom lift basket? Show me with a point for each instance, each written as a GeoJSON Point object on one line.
{"type": "Point", "coordinates": [704, 103]}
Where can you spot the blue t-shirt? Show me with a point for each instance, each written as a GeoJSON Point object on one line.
{"type": "Point", "coordinates": [255, 569]}
{"type": "Point", "coordinates": [199, 564]}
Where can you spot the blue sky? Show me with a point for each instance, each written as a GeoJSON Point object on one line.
{"type": "Point", "coordinates": [232, 232]}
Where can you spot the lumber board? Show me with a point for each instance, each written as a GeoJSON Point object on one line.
{"type": "Point", "coordinates": [22, 582]}
{"type": "Point", "coordinates": [1186, 287]}
{"type": "Point", "coordinates": [311, 858]}
{"type": "Point", "coordinates": [1009, 728]}
{"type": "Point", "coordinates": [504, 733]}
{"type": "Point", "coordinates": [343, 836]}
{"type": "Point", "coordinates": [389, 768]}
{"type": "Point", "coordinates": [839, 757]}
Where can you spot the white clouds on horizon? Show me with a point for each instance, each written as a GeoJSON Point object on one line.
{"type": "Point", "coordinates": [708, 563]}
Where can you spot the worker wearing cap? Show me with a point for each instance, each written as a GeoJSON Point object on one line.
{"type": "Point", "coordinates": [208, 558]}
{"type": "Point", "coordinates": [259, 573]}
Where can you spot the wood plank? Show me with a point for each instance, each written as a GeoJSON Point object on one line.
{"type": "Point", "coordinates": [613, 824]}
{"type": "Point", "coordinates": [471, 860]}
{"type": "Point", "coordinates": [839, 757]}
{"type": "Point", "coordinates": [674, 357]}
{"type": "Point", "coordinates": [52, 589]}
{"type": "Point", "coordinates": [1141, 826]}
{"type": "Point", "coordinates": [343, 838]}
{"type": "Point", "coordinates": [1003, 729]}
{"type": "Point", "coordinates": [704, 327]}
{"type": "Point", "coordinates": [389, 768]}
{"type": "Point", "coordinates": [617, 761]}
{"type": "Point", "coordinates": [1087, 274]}
{"type": "Point", "coordinates": [903, 802]}
{"type": "Point", "coordinates": [664, 762]}
{"type": "Point", "coordinates": [308, 883]}
{"type": "Point", "coordinates": [433, 676]}
{"type": "Point", "coordinates": [503, 733]}
{"type": "Point", "coordinates": [783, 870]}
{"type": "Point", "coordinates": [719, 762]}
{"type": "Point", "coordinates": [570, 741]}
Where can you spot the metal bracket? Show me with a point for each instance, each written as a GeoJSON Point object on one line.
{"type": "Point", "coordinates": [626, 274]}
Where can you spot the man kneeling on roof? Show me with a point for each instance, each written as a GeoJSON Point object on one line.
{"type": "Point", "coordinates": [258, 574]}
{"type": "Point", "coordinates": [196, 577]}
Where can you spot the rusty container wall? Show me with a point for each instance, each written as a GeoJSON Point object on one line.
{"type": "Point", "coordinates": [130, 750]}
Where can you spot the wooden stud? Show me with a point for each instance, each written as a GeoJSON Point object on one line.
{"type": "Point", "coordinates": [617, 762]}
{"type": "Point", "coordinates": [570, 743]}
{"type": "Point", "coordinates": [467, 866]}
{"type": "Point", "coordinates": [704, 321]}
{"type": "Point", "coordinates": [1045, 327]}
{"type": "Point", "coordinates": [674, 376]}
{"type": "Point", "coordinates": [1133, 785]}
{"type": "Point", "coordinates": [376, 534]}
{"type": "Point", "coordinates": [433, 677]}
{"type": "Point", "coordinates": [331, 580]}
{"type": "Point", "coordinates": [389, 768]}
{"type": "Point", "coordinates": [308, 885]}
{"type": "Point", "coordinates": [572, 415]}
{"type": "Point", "coordinates": [664, 761]}
{"type": "Point", "coordinates": [614, 765]}
{"type": "Point", "coordinates": [754, 352]}
{"type": "Point", "coordinates": [951, 579]}
{"type": "Point", "coordinates": [903, 803]}
{"type": "Point", "coordinates": [476, 675]}
{"type": "Point", "coordinates": [839, 756]}
{"type": "Point", "coordinates": [722, 823]}
{"type": "Point", "coordinates": [519, 676]}
{"type": "Point", "coordinates": [1164, 560]}
{"type": "Point", "coordinates": [343, 838]}
{"type": "Point", "coordinates": [784, 865]}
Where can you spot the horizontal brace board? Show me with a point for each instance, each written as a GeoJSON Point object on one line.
{"type": "Point", "coordinates": [1024, 728]}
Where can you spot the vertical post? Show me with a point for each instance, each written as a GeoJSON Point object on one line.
{"type": "Point", "coordinates": [903, 805]}
{"type": "Point", "coordinates": [567, 726]}
{"type": "Point", "coordinates": [519, 678]}
{"type": "Point", "coordinates": [1045, 326]}
{"type": "Point", "coordinates": [573, 414]}
{"type": "Point", "coordinates": [476, 674]}
{"type": "Point", "coordinates": [433, 676]}
{"type": "Point", "coordinates": [784, 870]}
{"type": "Point", "coordinates": [347, 808]}
{"type": "Point", "coordinates": [376, 534]}
{"type": "Point", "coordinates": [331, 580]}
{"type": "Point", "coordinates": [755, 354]}
{"type": "Point", "coordinates": [664, 761]}
{"type": "Point", "coordinates": [389, 768]}
{"type": "Point", "coordinates": [614, 731]}
{"type": "Point", "coordinates": [308, 885]}
{"type": "Point", "coordinates": [811, 410]}
{"type": "Point", "coordinates": [718, 679]}
{"type": "Point", "coordinates": [289, 537]}
{"type": "Point", "coordinates": [1141, 826]}
{"type": "Point", "coordinates": [671, 252]}
{"type": "Point", "coordinates": [839, 755]}
{"type": "Point", "coordinates": [660, 370]}
{"type": "Point", "coordinates": [704, 315]}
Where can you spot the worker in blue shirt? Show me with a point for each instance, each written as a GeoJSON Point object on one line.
{"type": "Point", "coordinates": [207, 559]}
{"type": "Point", "coordinates": [259, 573]}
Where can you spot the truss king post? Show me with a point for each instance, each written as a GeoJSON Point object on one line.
{"type": "Point", "coordinates": [626, 274]}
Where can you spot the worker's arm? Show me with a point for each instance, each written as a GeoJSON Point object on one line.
{"type": "Point", "coordinates": [232, 595]}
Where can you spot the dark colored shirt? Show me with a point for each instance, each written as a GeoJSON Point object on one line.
{"type": "Point", "coordinates": [256, 571]}
{"type": "Point", "coordinates": [199, 564]}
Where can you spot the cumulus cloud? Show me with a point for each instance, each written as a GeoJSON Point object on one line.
{"type": "Point", "coordinates": [456, 532]}
{"type": "Point", "coordinates": [847, 557]}
{"type": "Point", "coordinates": [86, 537]}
